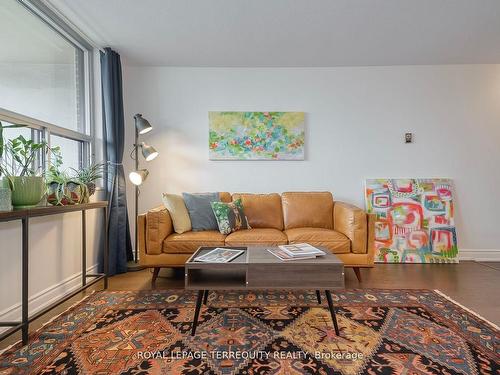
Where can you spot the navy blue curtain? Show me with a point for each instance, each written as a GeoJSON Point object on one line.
{"type": "Point", "coordinates": [120, 245]}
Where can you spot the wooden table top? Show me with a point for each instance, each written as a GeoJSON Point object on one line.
{"type": "Point", "coordinates": [257, 268]}
{"type": "Point", "coordinates": [21, 213]}
{"type": "Point", "coordinates": [260, 255]}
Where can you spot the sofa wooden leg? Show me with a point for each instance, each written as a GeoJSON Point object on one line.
{"type": "Point", "coordinates": [357, 271]}
{"type": "Point", "coordinates": [156, 271]}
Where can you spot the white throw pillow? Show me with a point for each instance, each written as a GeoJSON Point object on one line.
{"type": "Point", "coordinates": [178, 212]}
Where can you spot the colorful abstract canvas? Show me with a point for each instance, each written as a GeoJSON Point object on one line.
{"type": "Point", "coordinates": [414, 221]}
{"type": "Point", "coordinates": [256, 135]}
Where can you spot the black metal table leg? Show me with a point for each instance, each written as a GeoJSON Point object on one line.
{"type": "Point", "coordinates": [197, 311]}
{"type": "Point", "coordinates": [318, 296]}
{"type": "Point", "coordinates": [205, 297]}
{"type": "Point", "coordinates": [106, 250]}
{"type": "Point", "coordinates": [332, 311]}
{"type": "Point", "coordinates": [25, 280]}
{"type": "Point", "coordinates": [84, 248]}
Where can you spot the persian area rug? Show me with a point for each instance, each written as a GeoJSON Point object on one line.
{"type": "Point", "coordinates": [148, 332]}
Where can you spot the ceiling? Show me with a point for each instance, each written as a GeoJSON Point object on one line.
{"type": "Point", "coordinates": [291, 33]}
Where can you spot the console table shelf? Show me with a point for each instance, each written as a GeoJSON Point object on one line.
{"type": "Point", "coordinates": [24, 215]}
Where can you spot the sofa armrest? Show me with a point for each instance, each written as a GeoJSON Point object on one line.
{"type": "Point", "coordinates": [353, 222]}
{"type": "Point", "coordinates": [156, 226]}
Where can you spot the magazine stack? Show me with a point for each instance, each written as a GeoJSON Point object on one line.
{"type": "Point", "coordinates": [298, 251]}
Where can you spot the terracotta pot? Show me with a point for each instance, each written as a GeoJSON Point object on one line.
{"type": "Point", "coordinates": [66, 194]}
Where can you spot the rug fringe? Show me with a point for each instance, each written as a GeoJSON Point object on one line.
{"type": "Point", "coordinates": [50, 320]}
{"type": "Point", "coordinates": [466, 309]}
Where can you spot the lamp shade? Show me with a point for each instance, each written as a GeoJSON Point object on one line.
{"type": "Point", "coordinates": [142, 125]}
{"type": "Point", "coordinates": [138, 177]}
{"type": "Point", "coordinates": [149, 152]}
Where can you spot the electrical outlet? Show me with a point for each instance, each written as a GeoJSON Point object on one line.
{"type": "Point", "coordinates": [408, 137]}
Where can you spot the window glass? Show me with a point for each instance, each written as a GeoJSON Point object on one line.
{"type": "Point", "coordinates": [71, 151]}
{"type": "Point", "coordinates": [11, 133]}
{"type": "Point", "coordinates": [41, 73]}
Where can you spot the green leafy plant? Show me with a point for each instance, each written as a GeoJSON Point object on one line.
{"type": "Point", "coordinates": [18, 155]}
{"type": "Point", "coordinates": [58, 181]}
{"type": "Point", "coordinates": [90, 174]}
{"type": "Point", "coordinates": [6, 165]}
{"type": "Point", "coordinates": [54, 171]}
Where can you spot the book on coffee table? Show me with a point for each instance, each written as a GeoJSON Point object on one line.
{"type": "Point", "coordinates": [219, 255]}
{"type": "Point", "coordinates": [282, 255]}
{"type": "Point", "coordinates": [301, 250]}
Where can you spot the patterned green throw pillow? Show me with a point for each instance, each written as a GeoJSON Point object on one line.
{"type": "Point", "coordinates": [230, 216]}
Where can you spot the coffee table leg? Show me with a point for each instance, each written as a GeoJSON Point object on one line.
{"type": "Point", "coordinates": [205, 297]}
{"type": "Point", "coordinates": [197, 311]}
{"type": "Point", "coordinates": [318, 296]}
{"type": "Point", "coordinates": [332, 311]}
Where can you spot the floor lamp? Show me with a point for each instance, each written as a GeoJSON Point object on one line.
{"type": "Point", "coordinates": [138, 176]}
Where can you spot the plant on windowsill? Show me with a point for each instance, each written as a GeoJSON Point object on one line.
{"type": "Point", "coordinates": [88, 176]}
{"type": "Point", "coordinates": [63, 189]}
{"type": "Point", "coordinates": [18, 166]}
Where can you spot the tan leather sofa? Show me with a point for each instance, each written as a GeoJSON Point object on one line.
{"type": "Point", "coordinates": [293, 217]}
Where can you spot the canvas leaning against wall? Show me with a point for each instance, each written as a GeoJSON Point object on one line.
{"type": "Point", "coordinates": [256, 135]}
{"type": "Point", "coordinates": [414, 220]}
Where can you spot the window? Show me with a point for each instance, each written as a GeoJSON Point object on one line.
{"type": "Point", "coordinates": [72, 151]}
{"type": "Point", "coordinates": [45, 80]}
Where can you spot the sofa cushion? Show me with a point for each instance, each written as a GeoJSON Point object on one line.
{"type": "Point", "coordinates": [258, 236]}
{"type": "Point", "coordinates": [189, 242]}
{"type": "Point", "coordinates": [336, 242]}
{"type": "Point", "coordinates": [200, 210]}
{"type": "Point", "coordinates": [225, 196]}
{"type": "Point", "coordinates": [307, 209]}
{"type": "Point", "coordinates": [262, 210]}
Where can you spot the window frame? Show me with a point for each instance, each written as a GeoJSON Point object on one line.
{"type": "Point", "coordinates": [84, 90]}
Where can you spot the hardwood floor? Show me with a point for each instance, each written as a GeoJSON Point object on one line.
{"type": "Point", "coordinates": [474, 285]}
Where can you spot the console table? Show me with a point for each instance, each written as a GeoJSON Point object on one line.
{"type": "Point", "coordinates": [24, 215]}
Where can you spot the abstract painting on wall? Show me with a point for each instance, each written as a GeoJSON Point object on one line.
{"type": "Point", "coordinates": [256, 135]}
{"type": "Point", "coordinates": [414, 220]}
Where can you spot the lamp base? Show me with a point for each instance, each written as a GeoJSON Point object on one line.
{"type": "Point", "coordinates": [132, 266]}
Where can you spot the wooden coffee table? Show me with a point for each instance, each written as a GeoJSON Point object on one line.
{"type": "Point", "coordinates": [257, 268]}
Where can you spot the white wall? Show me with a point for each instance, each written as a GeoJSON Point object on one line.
{"type": "Point", "coordinates": [54, 259]}
{"type": "Point", "coordinates": [356, 120]}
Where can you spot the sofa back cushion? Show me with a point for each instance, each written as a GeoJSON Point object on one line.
{"type": "Point", "coordinates": [225, 197]}
{"type": "Point", "coordinates": [262, 210]}
{"type": "Point", "coordinates": [307, 209]}
{"type": "Point", "coordinates": [200, 210]}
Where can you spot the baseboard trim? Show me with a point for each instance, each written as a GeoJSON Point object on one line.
{"type": "Point", "coordinates": [480, 255]}
{"type": "Point", "coordinates": [45, 297]}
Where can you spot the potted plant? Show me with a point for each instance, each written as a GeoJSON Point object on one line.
{"type": "Point", "coordinates": [62, 189]}
{"type": "Point", "coordinates": [88, 177]}
{"type": "Point", "coordinates": [21, 175]}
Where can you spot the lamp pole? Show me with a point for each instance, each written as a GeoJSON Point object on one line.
{"type": "Point", "coordinates": [136, 191]}
{"type": "Point", "coordinates": [137, 177]}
